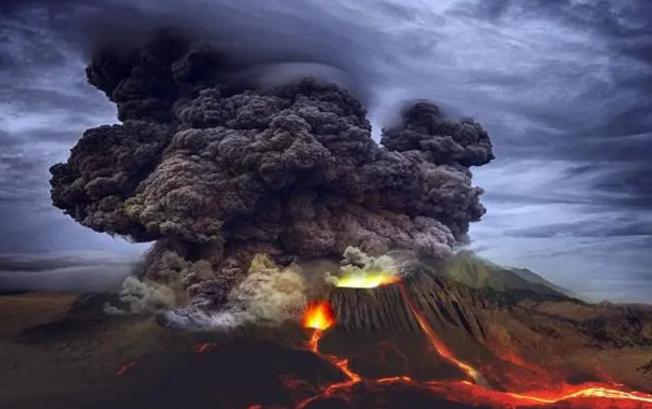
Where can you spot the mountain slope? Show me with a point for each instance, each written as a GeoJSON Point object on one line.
{"type": "Point", "coordinates": [527, 327]}
{"type": "Point", "coordinates": [69, 353]}
{"type": "Point", "coordinates": [534, 278]}
{"type": "Point", "coordinates": [476, 272]}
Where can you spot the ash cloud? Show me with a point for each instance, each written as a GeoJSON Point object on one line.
{"type": "Point", "coordinates": [138, 297]}
{"type": "Point", "coordinates": [268, 295]}
{"type": "Point", "coordinates": [357, 263]}
{"type": "Point", "coordinates": [216, 169]}
{"type": "Point", "coordinates": [355, 260]}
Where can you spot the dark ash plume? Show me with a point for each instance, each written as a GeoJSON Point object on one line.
{"type": "Point", "coordinates": [217, 172]}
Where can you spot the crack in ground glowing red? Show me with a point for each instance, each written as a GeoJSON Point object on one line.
{"type": "Point", "coordinates": [542, 398]}
{"type": "Point", "coordinates": [341, 363]}
{"type": "Point", "coordinates": [586, 392]}
{"type": "Point", "coordinates": [437, 343]}
{"type": "Point", "coordinates": [465, 391]}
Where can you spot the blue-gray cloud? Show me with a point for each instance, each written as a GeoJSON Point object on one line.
{"type": "Point", "coordinates": [63, 271]}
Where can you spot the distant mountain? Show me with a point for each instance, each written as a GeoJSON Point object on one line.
{"type": "Point", "coordinates": [467, 268]}
{"type": "Point", "coordinates": [534, 278]}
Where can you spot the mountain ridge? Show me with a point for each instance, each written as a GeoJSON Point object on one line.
{"type": "Point", "coordinates": [476, 272]}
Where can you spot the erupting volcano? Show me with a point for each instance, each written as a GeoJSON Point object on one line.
{"type": "Point", "coordinates": [217, 169]}
{"type": "Point", "coordinates": [273, 205]}
{"type": "Point", "coordinates": [475, 391]}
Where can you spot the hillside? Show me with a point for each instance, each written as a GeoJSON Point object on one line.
{"type": "Point", "coordinates": [476, 272]}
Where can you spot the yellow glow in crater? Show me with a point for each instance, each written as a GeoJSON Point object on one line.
{"type": "Point", "coordinates": [366, 279]}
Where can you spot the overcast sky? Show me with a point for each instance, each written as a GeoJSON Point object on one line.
{"type": "Point", "coordinates": [564, 88]}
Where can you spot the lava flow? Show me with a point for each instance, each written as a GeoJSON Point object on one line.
{"type": "Point", "coordinates": [319, 317]}
{"type": "Point", "coordinates": [593, 396]}
{"type": "Point", "coordinates": [439, 346]}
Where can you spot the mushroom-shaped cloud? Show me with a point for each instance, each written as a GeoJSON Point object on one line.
{"type": "Point", "coordinates": [217, 171]}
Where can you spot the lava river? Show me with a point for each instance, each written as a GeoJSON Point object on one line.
{"type": "Point", "coordinates": [472, 391]}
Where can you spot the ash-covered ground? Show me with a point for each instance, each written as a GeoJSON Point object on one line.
{"type": "Point", "coordinates": [408, 344]}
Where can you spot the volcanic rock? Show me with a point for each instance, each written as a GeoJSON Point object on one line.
{"type": "Point", "coordinates": [511, 326]}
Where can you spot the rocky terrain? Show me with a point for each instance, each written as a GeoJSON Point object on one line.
{"type": "Point", "coordinates": [63, 349]}
{"type": "Point", "coordinates": [537, 332]}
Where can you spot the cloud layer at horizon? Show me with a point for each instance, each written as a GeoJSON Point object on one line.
{"type": "Point", "coordinates": [563, 87]}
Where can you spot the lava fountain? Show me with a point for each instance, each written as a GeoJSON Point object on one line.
{"type": "Point", "coordinates": [318, 316]}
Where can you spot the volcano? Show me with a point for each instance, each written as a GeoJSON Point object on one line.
{"type": "Point", "coordinates": [512, 348]}
{"type": "Point", "coordinates": [245, 190]}
{"type": "Point", "coordinates": [425, 340]}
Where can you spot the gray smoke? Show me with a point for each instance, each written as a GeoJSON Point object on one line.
{"type": "Point", "coordinates": [139, 297]}
{"type": "Point", "coordinates": [216, 169]}
{"type": "Point", "coordinates": [268, 295]}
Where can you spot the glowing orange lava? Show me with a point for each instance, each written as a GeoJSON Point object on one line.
{"type": "Point", "coordinates": [439, 346]}
{"type": "Point", "coordinates": [341, 363]}
{"type": "Point", "coordinates": [367, 279]}
{"type": "Point", "coordinates": [508, 399]}
{"type": "Point", "coordinates": [582, 391]}
{"type": "Point", "coordinates": [318, 315]}
{"type": "Point", "coordinates": [577, 396]}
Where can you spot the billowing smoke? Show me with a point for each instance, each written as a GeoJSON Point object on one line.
{"type": "Point", "coordinates": [139, 297]}
{"type": "Point", "coordinates": [216, 169]}
{"type": "Point", "coordinates": [355, 259]}
{"type": "Point", "coordinates": [268, 295]}
{"type": "Point", "coordinates": [356, 264]}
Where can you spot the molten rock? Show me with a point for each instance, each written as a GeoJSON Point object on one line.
{"type": "Point", "coordinates": [217, 171]}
